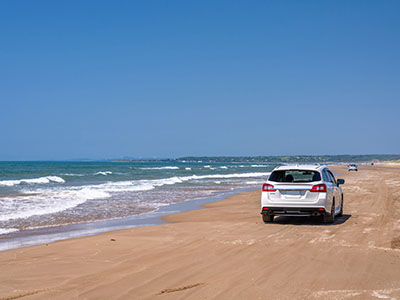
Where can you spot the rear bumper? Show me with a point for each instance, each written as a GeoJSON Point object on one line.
{"type": "Point", "coordinates": [293, 211]}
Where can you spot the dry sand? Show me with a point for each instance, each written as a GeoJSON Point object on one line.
{"type": "Point", "coordinates": [226, 252]}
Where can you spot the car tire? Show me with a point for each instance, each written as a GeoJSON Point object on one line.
{"type": "Point", "coordinates": [341, 208]}
{"type": "Point", "coordinates": [329, 219]}
{"type": "Point", "coordinates": [268, 218]}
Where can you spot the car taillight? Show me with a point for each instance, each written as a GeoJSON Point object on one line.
{"type": "Point", "coordinates": [268, 188]}
{"type": "Point", "coordinates": [319, 188]}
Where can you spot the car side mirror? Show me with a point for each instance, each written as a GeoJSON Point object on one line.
{"type": "Point", "coordinates": [340, 181]}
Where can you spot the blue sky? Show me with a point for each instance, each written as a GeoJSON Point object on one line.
{"type": "Point", "coordinates": [107, 79]}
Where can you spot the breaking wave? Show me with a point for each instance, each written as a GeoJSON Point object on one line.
{"type": "Point", "coordinates": [8, 230]}
{"type": "Point", "coordinates": [161, 168]}
{"type": "Point", "coordinates": [103, 173]}
{"type": "Point", "coordinates": [40, 180]}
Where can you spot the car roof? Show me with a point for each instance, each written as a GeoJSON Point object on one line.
{"type": "Point", "coordinates": [300, 167]}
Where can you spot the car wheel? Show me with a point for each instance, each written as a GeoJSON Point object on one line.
{"type": "Point", "coordinates": [341, 208]}
{"type": "Point", "coordinates": [268, 218]}
{"type": "Point", "coordinates": [331, 217]}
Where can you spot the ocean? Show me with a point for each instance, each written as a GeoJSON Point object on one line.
{"type": "Point", "coordinates": [36, 195]}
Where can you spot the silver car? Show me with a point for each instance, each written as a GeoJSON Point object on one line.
{"type": "Point", "coordinates": [352, 167]}
{"type": "Point", "coordinates": [302, 190]}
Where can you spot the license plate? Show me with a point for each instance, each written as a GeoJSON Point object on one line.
{"type": "Point", "coordinates": [292, 193]}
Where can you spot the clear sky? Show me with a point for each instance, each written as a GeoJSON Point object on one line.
{"type": "Point", "coordinates": [107, 79]}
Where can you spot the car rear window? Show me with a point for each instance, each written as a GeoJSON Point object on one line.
{"type": "Point", "coordinates": [294, 176]}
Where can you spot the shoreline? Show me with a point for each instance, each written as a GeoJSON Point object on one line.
{"type": "Point", "coordinates": [45, 235]}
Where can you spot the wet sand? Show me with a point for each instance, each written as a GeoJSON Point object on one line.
{"type": "Point", "coordinates": [227, 252]}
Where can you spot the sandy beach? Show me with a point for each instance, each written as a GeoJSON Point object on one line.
{"type": "Point", "coordinates": [226, 252]}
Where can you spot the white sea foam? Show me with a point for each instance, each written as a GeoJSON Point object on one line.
{"type": "Point", "coordinates": [207, 167]}
{"type": "Point", "coordinates": [188, 168]}
{"type": "Point", "coordinates": [47, 202]}
{"type": "Point", "coordinates": [136, 185]}
{"type": "Point", "coordinates": [162, 168]}
{"type": "Point", "coordinates": [223, 167]}
{"type": "Point", "coordinates": [253, 182]}
{"type": "Point", "coordinates": [7, 230]}
{"type": "Point", "coordinates": [103, 173]}
{"type": "Point", "coordinates": [72, 174]}
{"type": "Point", "coordinates": [40, 180]}
{"type": "Point", "coordinates": [259, 166]}
{"type": "Point", "coordinates": [143, 185]}
{"type": "Point", "coordinates": [234, 175]}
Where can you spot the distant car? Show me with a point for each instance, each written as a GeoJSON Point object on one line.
{"type": "Point", "coordinates": [352, 167]}
{"type": "Point", "coordinates": [302, 190]}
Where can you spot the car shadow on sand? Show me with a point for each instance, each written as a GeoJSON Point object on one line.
{"type": "Point", "coordinates": [317, 221]}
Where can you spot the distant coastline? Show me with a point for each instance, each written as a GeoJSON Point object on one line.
{"type": "Point", "coordinates": [274, 159]}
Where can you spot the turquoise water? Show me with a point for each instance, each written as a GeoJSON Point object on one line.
{"type": "Point", "coordinates": [43, 194]}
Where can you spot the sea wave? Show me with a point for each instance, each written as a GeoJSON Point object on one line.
{"type": "Point", "coordinates": [73, 174]}
{"type": "Point", "coordinates": [233, 175]}
{"type": "Point", "coordinates": [47, 202]}
{"type": "Point", "coordinates": [8, 230]}
{"type": "Point", "coordinates": [40, 180]}
{"type": "Point", "coordinates": [253, 182]}
{"type": "Point", "coordinates": [149, 184]}
{"type": "Point", "coordinates": [50, 201]}
{"type": "Point", "coordinates": [103, 173]}
{"type": "Point", "coordinates": [136, 185]}
{"type": "Point", "coordinates": [161, 168]}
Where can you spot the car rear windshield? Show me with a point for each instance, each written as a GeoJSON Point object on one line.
{"type": "Point", "coordinates": [294, 176]}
